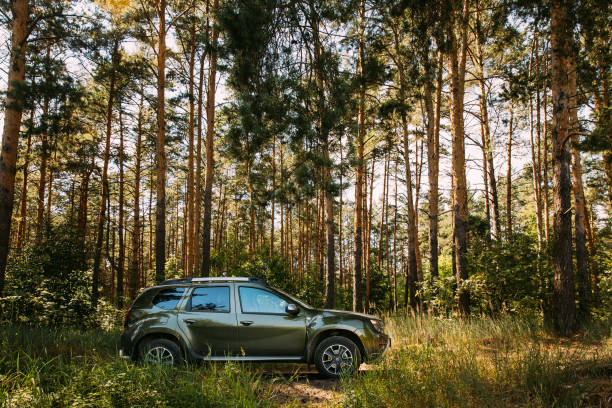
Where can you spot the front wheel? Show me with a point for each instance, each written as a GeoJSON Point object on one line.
{"type": "Point", "coordinates": [336, 356]}
{"type": "Point", "coordinates": [161, 351]}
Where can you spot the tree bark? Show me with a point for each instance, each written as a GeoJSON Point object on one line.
{"type": "Point", "coordinates": [210, 160]}
{"type": "Point", "coordinates": [105, 194]}
{"type": "Point", "coordinates": [580, 213]}
{"type": "Point", "coordinates": [160, 148]}
{"type": "Point", "coordinates": [357, 301]}
{"type": "Point", "coordinates": [509, 174]}
{"type": "Point", "coordinates": [133, 272]}
{"type": "Point", "coordinates": [460, 210]}
{"type": "Point", "coordinates": [120, 226]}
{"type": "Point", "coordinates": [21, 228]}
{"type": "Point", "coordinates": [561, 32]}
{"type": "Point", "coordinates": [487, 147]}
{"type": "Point", "coordinates": [433, 162]}
{"type": "Point", "coordinates": [190, 245]}
{"type": "Point", "coordinates": [12, 124]}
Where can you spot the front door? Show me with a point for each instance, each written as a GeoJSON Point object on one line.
{"type": "Point", "coordinates": [209, 321]}
{"type": "Point", "coordinates": [265, 329]}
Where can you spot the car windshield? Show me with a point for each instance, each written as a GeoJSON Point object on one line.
{"type": "Point", "coordinates": [294, 299]}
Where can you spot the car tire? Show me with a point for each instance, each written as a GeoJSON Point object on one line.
{"type": "Point", "coordinates": [161, 351]}
{"type": "Point", "coordinates": [336, 356]}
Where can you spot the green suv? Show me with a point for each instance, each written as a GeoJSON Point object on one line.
{"type": "Point", "coordinates": [244, 319]}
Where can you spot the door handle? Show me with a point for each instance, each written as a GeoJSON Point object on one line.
{"type": "Point", "coordinates": [246, 322]}
{"type": "Point", "coordinates": [189, 321]}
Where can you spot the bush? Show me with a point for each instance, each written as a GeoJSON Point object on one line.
{"type": "Point", "coordinates": [47, 282]}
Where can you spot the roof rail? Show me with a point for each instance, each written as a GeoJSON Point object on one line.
{"type": "Point", "coordinates": [175, 281]}
{"type": "Point", "coordinates": [214, 279]}
{"type": "Point", "coordinates": [230, 279]}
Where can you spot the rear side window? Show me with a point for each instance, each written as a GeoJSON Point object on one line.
{"type": "Point", "coordinates": [210, 299]}
{"type": "Point", "coordinates": [167, 299]}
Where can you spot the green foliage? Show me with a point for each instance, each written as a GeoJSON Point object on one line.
{"type": "Point", "coordinates": [47, 282]}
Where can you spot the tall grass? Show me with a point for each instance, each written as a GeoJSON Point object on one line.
{"type": "Point", "coordinates": [434, 362]}
{"type": "Point", "coordinates": [482, 362]}
{"type": "Point", "coordinates": [71, 368]}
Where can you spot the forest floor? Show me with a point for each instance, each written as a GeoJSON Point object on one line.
{"type": "Point", "coordinates": [433, 362]}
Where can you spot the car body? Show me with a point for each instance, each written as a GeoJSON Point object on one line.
{"type": "Point", "coordinates": [245, 319]}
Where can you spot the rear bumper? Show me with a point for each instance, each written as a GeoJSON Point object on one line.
{"type": "Point", "coordinates": [123, 355]}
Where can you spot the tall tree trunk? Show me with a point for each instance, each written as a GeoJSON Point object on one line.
{"type": "Point", "coordinates": [210, 160]}
{"type": "Point", "coordinates": [12, 125]}
{"type": "Point", "coordinates": [561, 34]}
{"type": "Point", "coordinates": [136, 239]}
{"type": "Point", "coordinates": [580, 213]}
{"type": "Point", "coordinates": [42, 180]}
{"type": "Point", "coordinates": [433, 161]}
{"type": "Point", "coordinates": [191, 240]}
{"type": "Point", "coordinates": [121, 257]}
{"type": "Point", "coordinates": [21, 229]}
{"type": "Point", "coordinates": [198, 183]}
{"type": "Point", "coordinates": [359, 173]}
{"type": "Point", "coordinates": [105, 194]}
{"type": "Point", "coordinates": [411, 270]}
{"type": "Point", "coordinates": [460, 210]}
{"type": "Point", "coordinates": [489, 166]}
{"type": "Point", "coordinates": [509, 174]}
{"type": "Point", "coordinates": [160, 148]}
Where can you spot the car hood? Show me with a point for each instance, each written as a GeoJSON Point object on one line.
{"type": "Point", "coordinates": [348, 314]}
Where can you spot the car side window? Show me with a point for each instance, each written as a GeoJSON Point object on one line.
{"type": "Point", "coordinates": [167, 299]}
{"type": "Point", "coordinates": [210, 299]}
{"type": "Point", "coordinates": [253, 300]}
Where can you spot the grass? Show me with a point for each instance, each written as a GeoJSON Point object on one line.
{"type": "Point", "coordinates": [433, 363]}
{"type": "Point", "coordinates": [484, 362]}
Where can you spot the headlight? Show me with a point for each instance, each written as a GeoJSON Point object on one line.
{"type": "Point", "coordinates": [378, 325]}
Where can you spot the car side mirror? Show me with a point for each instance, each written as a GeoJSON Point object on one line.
{"type": "Point", "coordinates": [292, 309]}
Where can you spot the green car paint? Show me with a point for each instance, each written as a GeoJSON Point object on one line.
{"type": "Point", "coordinates": [258, 323]}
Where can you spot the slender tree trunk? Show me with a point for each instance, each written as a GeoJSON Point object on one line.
{"type": "Point", "coordinates": [411, 270]}
{"type": "Point", "coordinates": [105, 194]}
{"type": "Point", "coordinates": [210, 160]}
{"type": "Point", "coordinates": [42, 180]}
{"type": "Point", "coordinates": [509, 174]}
{"type": "Point", "coordinates": [136, 238]}
{"type": "Point", "coordinates": [160, 148]}
{"type": "Point", "coordinates": [580, 214]}
{"type": "Point", "coordinates": [12, 125]}
{"type": "Point", "coordinates": [191, 240]}
{"type": "Point", "coordinates": [21, 229]}
{"type": "Point", "coordinates": [460, 210]}
{"type": "Point", "coordinates": [489, 166]}
{"type": "Point", "coordinates": [433, 160]}
{"type": "Point", "coordinates": [545, 178]}
{"type": "Point", "coordinates": [359, 173]}
{"type": "Point", "coordinates": [120, 226]}
{"type": "Point", "coordinates": [561, 32]}
{"type": "Point", "coordinates": [198, 183]}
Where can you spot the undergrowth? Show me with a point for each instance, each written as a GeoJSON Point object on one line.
{"type": "Point", "coordinates": [434, 362]}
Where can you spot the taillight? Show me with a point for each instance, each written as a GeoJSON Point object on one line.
{"type": "Point", "coordinates": [127, 317]}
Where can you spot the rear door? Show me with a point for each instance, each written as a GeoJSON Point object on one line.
{"type": "Point", "coordinates": [209, 321]}
{"type": "Point", "coordinates": [265, 329]}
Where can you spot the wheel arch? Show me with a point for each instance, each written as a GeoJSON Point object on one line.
{"type": "Point", "coordinates": [319, 337]}
{"type": "Point", "coordinates": [158, 335]}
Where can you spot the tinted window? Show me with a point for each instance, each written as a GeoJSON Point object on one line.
{"type": "Point", "coordinates": [210, 299]}
{"type": "Point", "coordinates": [168, 298]}
{"type": "Point", "coordinates": [255, 300]}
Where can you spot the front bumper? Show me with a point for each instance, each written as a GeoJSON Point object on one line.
{"type": "Point", "coordinates": [378, 350]}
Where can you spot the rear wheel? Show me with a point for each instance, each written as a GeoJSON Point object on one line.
{"type": "Point", "coordinates": [336, 356]}
{"type": "Point", "coordinates": [161, 351]}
